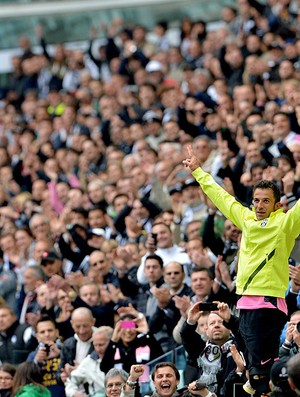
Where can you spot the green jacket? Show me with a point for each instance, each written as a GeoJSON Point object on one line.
{"type": "Point", "coordinates": [265, 246]}
{"type": "Point", "coordinates": [33, 390]}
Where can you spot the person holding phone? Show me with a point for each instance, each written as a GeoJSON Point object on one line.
{"type": "Point", "coordinates": [220, 362]}
{"type": "Point", "coordinates": [268, 237]}
{"type": "Point", "coordinates": [131, 343]}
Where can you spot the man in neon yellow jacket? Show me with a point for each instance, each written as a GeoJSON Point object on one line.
{"type": "Point", "coordinates": [268, 236]}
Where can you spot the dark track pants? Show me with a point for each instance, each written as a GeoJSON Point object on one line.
{"type": "Point", "coordinates": [261, 329]}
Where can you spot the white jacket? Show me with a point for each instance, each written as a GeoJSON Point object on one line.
{"type": "Point", "coordinates": [88, 372]}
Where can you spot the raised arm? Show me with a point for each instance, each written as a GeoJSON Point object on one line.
{"type": "Point", "coordinates": [224, 201]}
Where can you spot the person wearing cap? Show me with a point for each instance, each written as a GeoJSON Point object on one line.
{"type": "Point", "coordinates": [194, 207]}
{"type": "Point", "coordinates": [51, 264]}
{"type": "Point", "coordinates": [152, 128]}
{"type": "Point", "coordinates": [279, 382]}
{"type": "Point", "coordinates": [268, 237]}
{"type": "Point", "coordinates": [155, 72]}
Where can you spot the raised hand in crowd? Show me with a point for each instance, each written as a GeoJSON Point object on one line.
{"type": "Point", "coordinates": [294, 273]}
{"type": "Point", "coordinates": [222, 275]}
{"type": "Point", "coordinates": [162, 294]}
{"type": "Point", "coordinates": [182, 303]}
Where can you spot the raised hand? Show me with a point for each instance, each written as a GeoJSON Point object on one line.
{"type": "Point", "coordinates": [192, 161]}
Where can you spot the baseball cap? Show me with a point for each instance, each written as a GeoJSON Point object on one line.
{"type": "Point", "coordinates": [50, 256]}
{"type": "Point", "coordinates": [279, 374]}
{"type": "Point", "coordinates": [97, 231]}
{"type": "Point", "coordinates": [150, 116]}
{"type": "Point", "coordinates": [154, 66]}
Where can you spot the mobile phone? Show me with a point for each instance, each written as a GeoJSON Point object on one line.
{"type": "Point", "coordinates": [128, 324]}
{"type": "Point", "coordinates": [154, 236]}
{"type": "Point", "coordinates": [207, 306]}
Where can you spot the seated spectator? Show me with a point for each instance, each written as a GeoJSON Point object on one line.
{"type": "Point", "coordinates": [87, 377]}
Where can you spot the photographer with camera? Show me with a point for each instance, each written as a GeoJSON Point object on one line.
{"type": "Point", "coordinates": [47, 355]}
{"type": "Point", "coordinates": [291, 345]}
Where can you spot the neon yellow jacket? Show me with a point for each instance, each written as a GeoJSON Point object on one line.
{"type": "Point", "coordinates": [265, 245]}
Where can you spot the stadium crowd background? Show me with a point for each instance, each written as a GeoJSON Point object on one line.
{"type": "Point", "coordinates": [91, 150]}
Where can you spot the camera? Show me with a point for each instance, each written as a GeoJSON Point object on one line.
{"type": "Point", "coordinates": [297, 326]}
{"type": "Point", "coordinates": [47, 347]}
{"type": "Point", "coordinates": [154, 236]}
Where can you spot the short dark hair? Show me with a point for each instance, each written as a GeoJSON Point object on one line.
{"type": "Point", "coordinates": [163, 365]}
{"type": "Point", "coordinates": [45, 318]}
{"type": "Point", "coordinates": [156, 258]}
{"type": "Point", "coordinates": [264, 184]}
{"type": "Point", "coordinates": [203, 269]}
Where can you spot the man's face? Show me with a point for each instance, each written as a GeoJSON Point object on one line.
{"type": "Point", "coordinates": [174, 275]}
{"type": "Point", "coordinates": [96, 219]}
{"type": "Point", "coordinates": [29, 280]}
{"type": "Point", "coordinates": [99, 262]}
{"type": "Point", "coordinates": [90, 295]}
{"type": "Point", "coordinates": [216, 331]}
{"type": "Point", "coordinates": [201, 283]}
{"type": "Point", "coordinates": [6, 319]}
{"type": "Point", "coordinates": [193, 230]}
{"type": "Point", "coordinates": [190, 194]}
{"type": "Point", "coordinates": [52, 267]}
{"type": "Point", "coordinates": [165, 381]}
{"type": "Point", "coordinates": [83, 327]}
{"type": "Point", "coordinates": [264, 203]}
{"type": "Point", "coordinates": [281, 125]}
{"type": "Point", "coordinates": [153, 271]}
{"type": "Point", "coordinates": [164, 236]}
{"type": "Point", "coordinates": [100, 343]}
{"type": "Point", "coordinates": [113, 386]}
{"type": "Point", "coordinates": [231, 232]}
{"type": "Point", "coordinates": [46, 332]}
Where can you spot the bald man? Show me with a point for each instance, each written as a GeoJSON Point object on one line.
{"type": "Point", "coordinates": [77, 347]}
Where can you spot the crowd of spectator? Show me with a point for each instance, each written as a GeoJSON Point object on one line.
{"type": "Point", "coordinates": [106, 240]}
